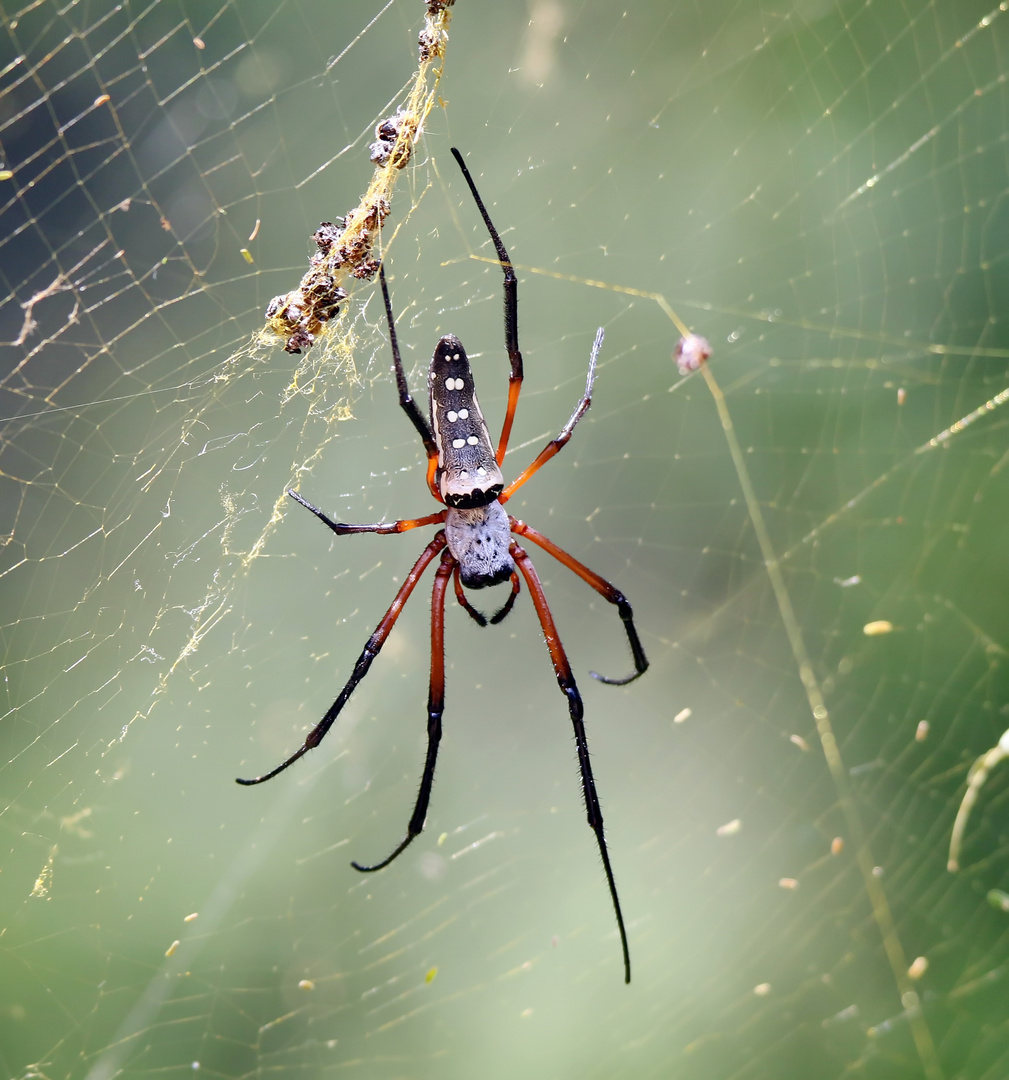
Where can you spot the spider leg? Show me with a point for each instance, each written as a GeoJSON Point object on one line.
{"type": "Point", "coordinates": [556, 445]}
{"type": "Point", "coordinates": [406, 402]}
{"type": "Point", "coordinates": [371, 649]}
{"type": "Point", "coordinates": [511, 312]}
{"type": "Point", "coordinates": [502, 612]}
{"type": "Point", "coordinates": [381, 527]}
{"type": "Point", "coordinates": [478, 617]}
{"type": "Point", "coordinates": [435, 708]}
{"type": "Point", "coordinates": [566, 681]}
{"type": "Point", "coordinates": [605, 590]}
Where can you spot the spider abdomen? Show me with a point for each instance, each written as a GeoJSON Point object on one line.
{"type": "Point", "coordinates": [468, 475]}
{"type": "Point", "coordinates": [479, 539]}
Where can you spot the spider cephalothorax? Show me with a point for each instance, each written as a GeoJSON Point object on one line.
{"type": "Point", "coordinates": [476, 545]}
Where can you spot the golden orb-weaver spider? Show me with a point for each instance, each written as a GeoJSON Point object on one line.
{"type": "Point", "coordinates": [476, 545]}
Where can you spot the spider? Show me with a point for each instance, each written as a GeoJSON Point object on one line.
{"type": "Point", "coordinates": [475, 547]}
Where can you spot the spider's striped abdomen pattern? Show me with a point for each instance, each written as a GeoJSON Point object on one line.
{"type": "Point", "coordinates": [468, 474]}
{"type": "Point", "coordinates": [476, 547]}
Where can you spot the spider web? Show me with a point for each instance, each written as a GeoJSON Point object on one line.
{"type": "Point", "coordinates": [809, 532]}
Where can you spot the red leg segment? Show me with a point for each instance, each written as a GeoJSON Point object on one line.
{"type": "Point", "coordinates": [514, 388]}
{"type": "Point", "coordinates": [566, 681]}
{"type": "Point", "coordinates": [605, 590]}
{"type": "Point", "coordinates": [371, 649]}
{"type": "Point", "coordinates": [511, 312]}
{"type": "Point", "coordinates": [381, 527]}
{"type": "Point", "coordinates": [555, 445]}
{"type": "Point", "coordinates": [435, 708]}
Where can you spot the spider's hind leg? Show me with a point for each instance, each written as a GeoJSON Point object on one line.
{"type": "Point", "coordinates": [435, 708]}
{"type": "Point", "coordinates": [566, 682]}
{"type": "Point", "coordinates": [372, 647]}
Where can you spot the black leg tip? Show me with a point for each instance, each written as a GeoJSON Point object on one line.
{"type": "Point", "coordinates": [616, 682]}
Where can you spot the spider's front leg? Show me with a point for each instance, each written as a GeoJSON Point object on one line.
{"type": "Point", "coordinates": [511, 312]}
{"type": "Point", "coordinates": [435, 708]}
{"type": "Point", "coordinates": [406, 402]}
{"type": "Point", "coordinates": [383, 528]}
{"type": "Point", "coordinates": [556, 445]}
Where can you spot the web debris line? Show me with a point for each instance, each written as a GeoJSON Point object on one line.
{"type": "Point", "coordinates": [905, 345]}
{"type": "Point", "coordinates": [301, 315]}
{"type": "Point", "coordinates": [350, 44]}
{"type": "Point", "coordinates": [347, 250]}
{"type": "Point", "coordinates": [594, 283]}
{"type": "Point", "coordinates": [900, 100]}
{"type": "Point", "coordinates": [944, 436]}
{"type": "Point", "coordinates": [882, 915]}
{"type": "Point", "coordinates": [893, 166]}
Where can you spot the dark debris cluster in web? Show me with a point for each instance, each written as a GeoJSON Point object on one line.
{"type": "Point", "coordinates": [347, 246]}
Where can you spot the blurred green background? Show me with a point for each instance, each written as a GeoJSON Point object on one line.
{"type": "Point", "coordinates": [819, 189]}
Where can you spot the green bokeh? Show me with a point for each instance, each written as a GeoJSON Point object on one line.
{"type": "Point", "coordinates": [819, 192]}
